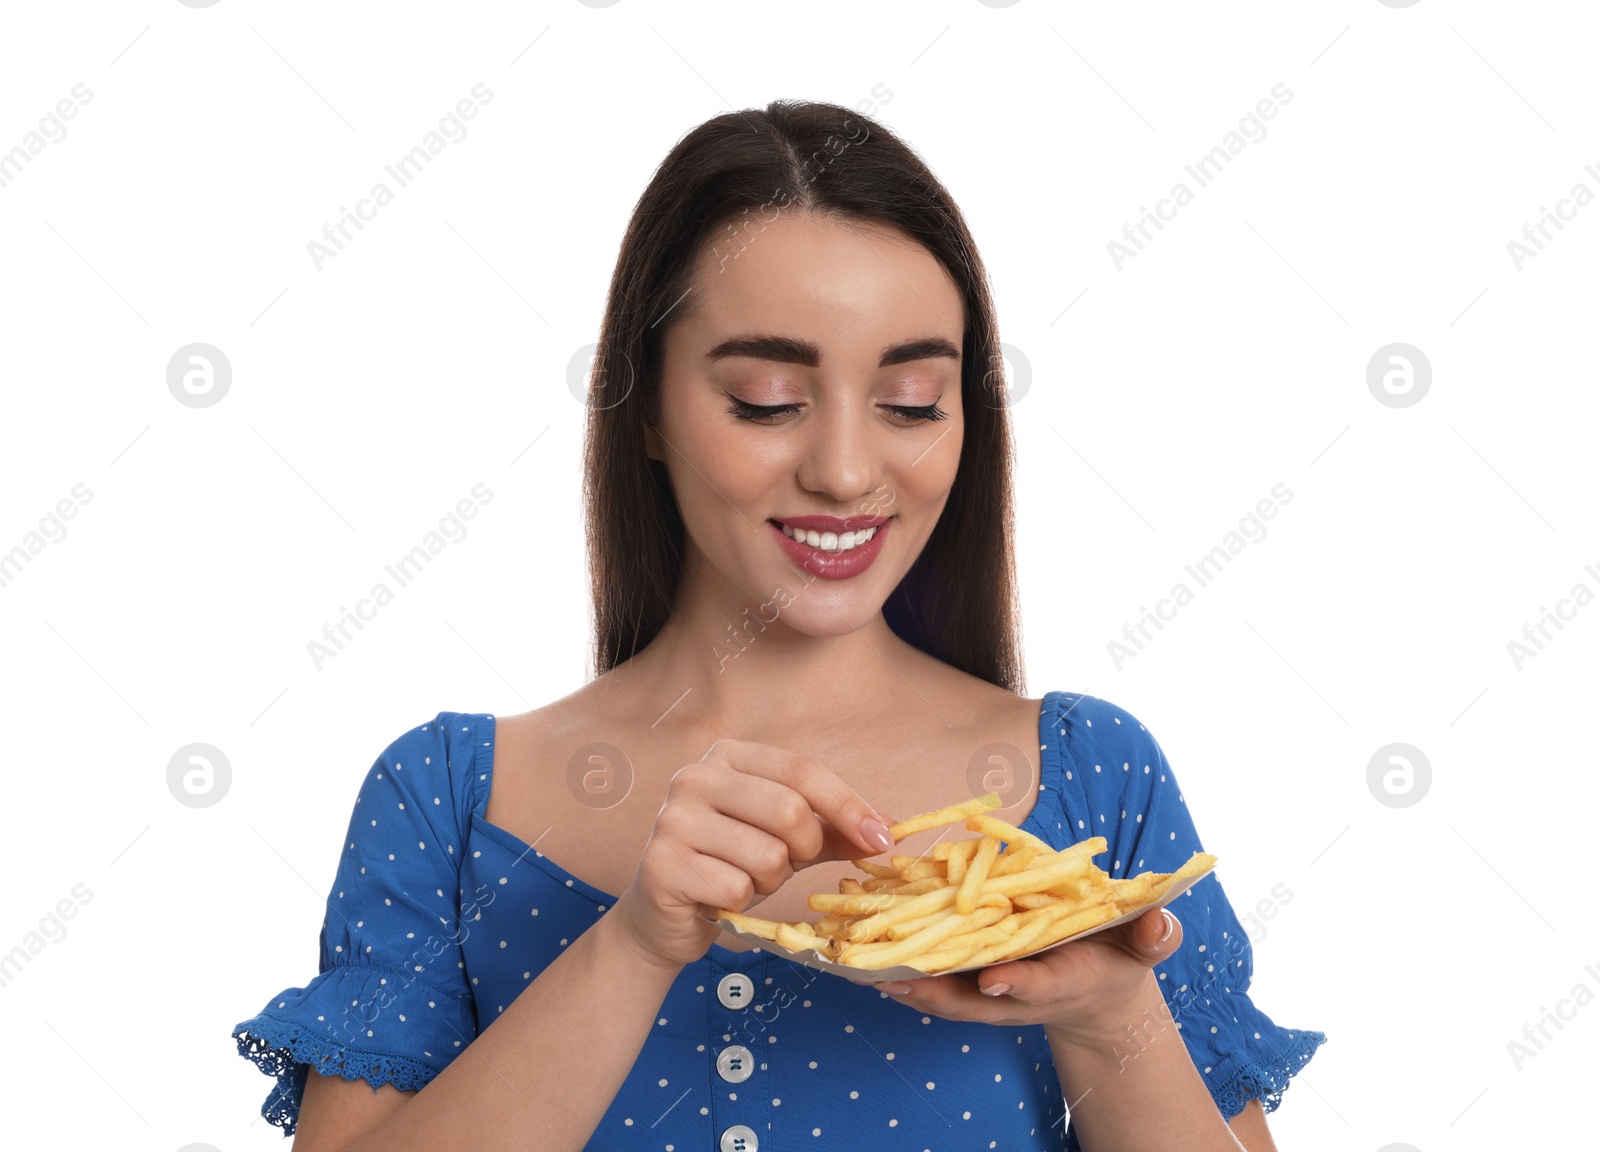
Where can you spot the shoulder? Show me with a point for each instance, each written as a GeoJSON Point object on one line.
{"type": "Point", "coordinates": [1089, 726]}
{"type": "Point", "coordinates": [1110, 758]}
{"type": "Point", "coordinates": [963, 700]}
{"type": "Point", "coordinates": [442, 761]}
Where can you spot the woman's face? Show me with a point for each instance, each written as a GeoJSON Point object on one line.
{"type": "Point", "coordinates": [853, 333]}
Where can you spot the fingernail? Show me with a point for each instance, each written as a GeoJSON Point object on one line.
{"type": "Point", "coordinates": [1167, 935]}
{"type": "Point", "coordinates": [876, 832]}
{"type": "Point", "coordinates": [996, 989]}
{"type": "Point", "coordinates": [895, 987]}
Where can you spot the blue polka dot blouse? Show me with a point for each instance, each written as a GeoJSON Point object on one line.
{"type": "Point", "coordinates": [437, 919]}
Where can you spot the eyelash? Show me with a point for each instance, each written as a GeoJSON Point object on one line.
{"type": "Point", "coordinates": [742, 410]}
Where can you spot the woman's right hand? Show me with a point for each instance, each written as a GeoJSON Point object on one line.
{"type": "Point", "coordinates": [737, 824]}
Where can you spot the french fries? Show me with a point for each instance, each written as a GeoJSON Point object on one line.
{"type": "Point", "coordinates": [977, 873]}
{"type": "Point", "coordinates": [952, 814]}
{"type": "Point", "coordinates": [999, 895]}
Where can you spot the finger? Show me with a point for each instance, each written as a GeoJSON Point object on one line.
{"type": "Point", "coordinates": [835, 846]}
{"type": "Point", "coordinates": [1149, 938]}
{"type": "Point", "coordinates": [1041, 979]}
{"type": "Point", "coordinates": [829, 797]}
{"type": "Point", "coordinates": [1052, 975]}
{"type": "Point", "coordinates": [707, 882]}
{"type": "Point", "coordinates": [765, 804]}
{"type": "Point", "coordinates": [1158, 935]}
{"type": "Point", "coordinates": [948, 996]}
{"type": "Point", "coordinates": [757, 853]}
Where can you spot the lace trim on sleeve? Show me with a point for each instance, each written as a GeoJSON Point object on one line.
{"type": "Point", "coordinates": [1266, 1079]}
{"type": "Point", "coordinates": [290, 1052]}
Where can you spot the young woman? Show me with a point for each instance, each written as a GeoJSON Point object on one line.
{"type": "Point", "coordinates": [797, 484]}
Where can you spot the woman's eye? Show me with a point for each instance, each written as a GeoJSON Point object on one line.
{"type": "Point", "coordinates": [924, 412]}
{"type": "Point", "coordinates": [743, 410]}
{"type": "Point", "coordinates": [740, 410]}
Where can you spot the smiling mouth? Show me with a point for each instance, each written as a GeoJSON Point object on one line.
{"type": "Point", "coordinates": [835, 542]}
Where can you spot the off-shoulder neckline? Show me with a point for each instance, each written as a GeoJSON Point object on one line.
{"type": "Point", "coordinates": [1050, 779]}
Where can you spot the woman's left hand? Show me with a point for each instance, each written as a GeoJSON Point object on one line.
{"type": "Point", "coordinates": [1084, 990]}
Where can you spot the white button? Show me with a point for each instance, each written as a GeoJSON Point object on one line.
{"type": "Point", "coordinates": [739, 1139]}
{"type": "Point", "coordinates": [735, 990]}
{"type": "Point", "coordinates": [735, 1064]}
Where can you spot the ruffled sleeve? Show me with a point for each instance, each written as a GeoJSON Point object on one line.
{"type": "Point", "coordinates": [1130, 795]}
{"type": "Point", "coordinates": [390, 1003]}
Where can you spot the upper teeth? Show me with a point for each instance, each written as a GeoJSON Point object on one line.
{"type": "Point", "coordinates": [830, 541]}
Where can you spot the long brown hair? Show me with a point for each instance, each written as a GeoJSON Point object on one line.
{"type": "Point", "coordinates": [958, 601]}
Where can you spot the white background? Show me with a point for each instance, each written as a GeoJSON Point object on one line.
{"type": "Point", "coordinates": [1229, 356]}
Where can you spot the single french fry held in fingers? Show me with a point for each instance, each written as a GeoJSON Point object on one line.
{"type": "Point", "coordinates": [953, 814]}
{"type": "Point", "coordinates": [967, 902]}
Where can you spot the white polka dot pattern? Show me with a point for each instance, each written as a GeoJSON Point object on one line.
{"type": "Point", "coordinates": [423, 947]}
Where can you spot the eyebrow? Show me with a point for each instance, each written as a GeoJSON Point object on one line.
{"type": "Point", "coordinates": [789, 350]}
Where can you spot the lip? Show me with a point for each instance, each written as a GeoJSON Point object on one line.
{"type": "Point", "coordinates": [833, 523]}
{"type": "Point", "coordinates": [832, 565]}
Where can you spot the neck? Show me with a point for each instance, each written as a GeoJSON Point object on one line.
{"type": "Point", "coordinates": [737, 668]}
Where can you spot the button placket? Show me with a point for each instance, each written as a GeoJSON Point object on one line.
{"type": "Point", "coordinates": [734, 1061]}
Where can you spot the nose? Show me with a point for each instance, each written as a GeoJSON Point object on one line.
{"type": "Point", "coordinates": [842, 457]}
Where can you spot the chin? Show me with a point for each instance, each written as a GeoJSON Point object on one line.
{"type": "Point", "coordinates": [820, 616]}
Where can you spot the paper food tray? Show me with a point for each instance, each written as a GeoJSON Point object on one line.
{"type": "Point", "coordinates": [814, 959]}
